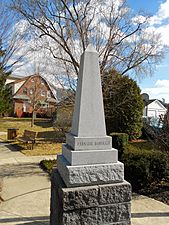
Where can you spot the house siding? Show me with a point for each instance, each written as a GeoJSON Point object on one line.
{"type": "Point", "coordinates": [154, 109]}
{"type": "Point", "coordinates": [24, 106]}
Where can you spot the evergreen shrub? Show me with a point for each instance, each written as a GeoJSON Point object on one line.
{"type": "Point", "coordinates": [142, 167]}
{"type": "Point", "coordinates": [119, 141]}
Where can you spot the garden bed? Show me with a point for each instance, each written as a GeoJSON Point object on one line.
{"type": "Point", "coordinates": [158, 191]}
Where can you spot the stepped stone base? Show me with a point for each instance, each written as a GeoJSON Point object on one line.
{"type": "Point", "coordinates": [84, 175]}
{"type": "Point", "coordinates": [90, 156]}
{"type": "Point", "coordinates": [107, 204]}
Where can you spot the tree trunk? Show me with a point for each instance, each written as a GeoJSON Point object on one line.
{"type": "Point", "coordinates": [33, 118]}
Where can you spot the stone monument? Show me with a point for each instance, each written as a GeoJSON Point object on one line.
{"type": "Point", "coordinates": [88, 187]}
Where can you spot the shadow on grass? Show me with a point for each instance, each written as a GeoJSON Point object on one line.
{"type": "Point", "coordinates": [38, 220]}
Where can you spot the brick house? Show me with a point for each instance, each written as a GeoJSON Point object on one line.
{"type": "Point", "coordinates": [32, 93]}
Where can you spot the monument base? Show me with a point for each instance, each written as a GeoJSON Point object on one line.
{"type": "Point", "coordinates": [94, 205]}
{"type": "Point", "coordinates": [85, 175]}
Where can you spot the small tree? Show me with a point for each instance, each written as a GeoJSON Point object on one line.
{"type": "Point", "coordinates": [123, 104]}
{"type": "Point", "coordinates": [5, 92]}
{"type": "Point", "coordinates": [35, 101]}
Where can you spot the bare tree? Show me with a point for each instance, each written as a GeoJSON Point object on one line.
{"type": "Point", "coordinates": [11, 39]}
{"type": "Point", "coordinates": [36, 97]}
{"type": "Point", "coordinates": [157, 131]}
{"type": "Point", "coordinates": [66, 27]}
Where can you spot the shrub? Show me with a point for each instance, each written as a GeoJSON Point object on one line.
{"type": "Point", "coordinates": [48, 165]}
{"type": "Point", "coordinates": [142, 167]}
{"type": "Point", "coordinates": [123, 104]}
{"type": "Point", "coordinates": [119, 141]}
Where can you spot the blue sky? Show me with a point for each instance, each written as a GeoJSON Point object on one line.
{"type": "Point", "coordinates": [157, 86]}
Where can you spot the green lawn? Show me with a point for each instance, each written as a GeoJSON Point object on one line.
{"type": "Point", "coordinates": [47, 136]}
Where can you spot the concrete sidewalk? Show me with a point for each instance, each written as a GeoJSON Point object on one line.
{"type": "Point", "coordinates": [147, 211]}
{"type": "Point", "coordinates": [26, 195]}
{"type": "Point", "coordinates": [25, 188]}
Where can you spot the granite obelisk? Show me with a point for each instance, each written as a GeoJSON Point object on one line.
{"type": "Point", "coordinates": [89, 178]}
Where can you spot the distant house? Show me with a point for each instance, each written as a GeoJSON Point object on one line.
{"type": "Point", "coordinates": [153, 107]}
{"type": "Point", "coordinates": [32, 92]}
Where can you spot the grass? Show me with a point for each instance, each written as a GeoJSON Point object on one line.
{"type": "Point", "coordinates": [46, 140]}
{"type": "Point", "coordinates": [48, 165]}
{"type": "Point", "coordinates": [22, 124]}
{"type": "Point", "coordinates": [43, 149]}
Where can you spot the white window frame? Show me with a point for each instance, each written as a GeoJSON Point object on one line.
{"type": "Point", "coordinates": [43, 93]}
{"type": "Point", "coordinates": [31, 91]}
{"type": "Point", "coordinates": [48, 94]}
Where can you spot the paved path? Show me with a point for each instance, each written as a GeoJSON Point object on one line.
{"type": "Point", "coordinates": [25, 188]}
{"type": "Point", "coordinates": [147, 211]}
{"type": "Point", "coordinates": [26, 194]}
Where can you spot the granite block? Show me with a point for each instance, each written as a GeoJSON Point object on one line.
{"type": "Point", "coordinates": [89, 174]}
{"type": "Point", "coordinates": [80, 197]}
{"type": "Point", "coordinates": [89, 157]}
{"type": "Point", "coordinates": [123, 211]}
{"type": "Point", "coordinates": [115, 193]}
{"type": "Point", "coordinates": [81, 205]}
{"type": "Point", "coordinates": [71, 218]}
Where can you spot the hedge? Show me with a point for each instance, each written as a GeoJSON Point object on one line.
{"type": "Point", "coordinates": [119, 141]}
{"type": "Point", "coordinates": [142, 167]}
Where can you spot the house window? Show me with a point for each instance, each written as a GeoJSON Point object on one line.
{"type": "Point", "coordinates": [43, 93]}
{"type": "Point", "coordinates": [31, 91]}
{"type": "Point", "coordinates": [48, 94]}
{"type": "Point", "coordinates": [25, 91]}
{"type": "Point", "coordinates": [44, 105]}
{"type": "Point", "coordinates": [42, 82]}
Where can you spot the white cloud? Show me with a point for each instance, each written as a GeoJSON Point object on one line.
{"type": "Point", "coordinates": [159, 22]}
{"type": "Point", "coordinates": [162, 84]}
{"type": "Point", "coordinates": [162, 14]}
{"type": "Point", "coordinates": [159, 91]}
{"type": "Point", "coordinates": [164, 32]}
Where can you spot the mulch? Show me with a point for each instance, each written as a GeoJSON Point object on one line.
{"type": "Point", "coordinates": [158, 191]}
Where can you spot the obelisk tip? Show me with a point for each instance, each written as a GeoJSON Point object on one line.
{"type": "Point", "coordinates": [90, 48]}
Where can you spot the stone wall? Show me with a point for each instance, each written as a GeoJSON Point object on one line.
{"type": "Point", "coordinates": [92, 205]}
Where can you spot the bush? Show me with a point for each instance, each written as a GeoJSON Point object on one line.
{"type": "Point", "coordinates": [119, 141]}
{"type": "Point", "coordinates": [48, 165]}
{"type": "Point", "coordinates": [142, 167]}
{"type": "Point", "coordinates": [123, 104]}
